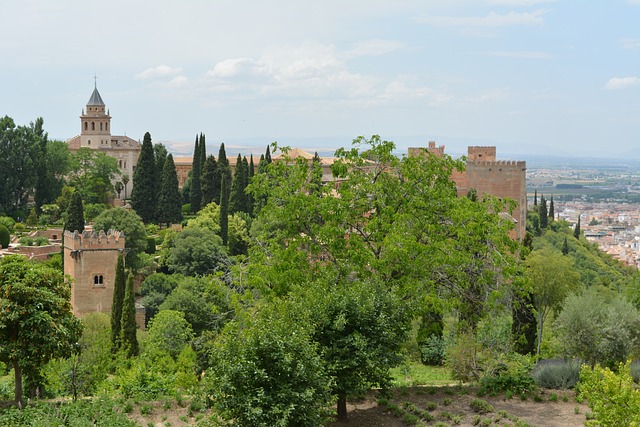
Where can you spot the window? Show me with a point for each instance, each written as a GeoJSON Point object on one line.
{"type": "Point", "coordinates": [86, 126]}
{"type": "Point", "coordinates": [100, 125]}
{"type": "Point", "coordinates": [89, 142]}
{"type": "Point", "coordinates": [98, 281]}
{"type": "Point", "coordinates": [93, 125]}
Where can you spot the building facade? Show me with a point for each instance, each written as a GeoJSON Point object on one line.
{"type": "Point", "coordinates": [95, 133]}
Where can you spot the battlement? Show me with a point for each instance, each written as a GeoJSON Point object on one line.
{"type": "Point", "coordinates": [486, 153]}
{"type": "Point", "coordinates": [508, 164]}
{"type": "Point", "coordinates": [91, 240]}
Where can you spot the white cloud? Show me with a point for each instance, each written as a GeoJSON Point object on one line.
{"type": "Point", "coordinates": [231, 67]}
{"type": "Point", "coordinates": [519, 54]}
{"type": "Point", "coordinates": [633, 1]}
{"type": "Point", "coordinates": [630, 43]}
{"type": "Point", "coordinates": [622, 83]}
{"type": "Point", "coordinates": [178, 81]}
{"type": "Point", "coordinates": [373, 48]}
{"type": "Point", "coordinates": [493, 19]}
{"type": "Point", "coordinates": [159, 71]}
{"type": "Point", "coordinates": [519, 2]}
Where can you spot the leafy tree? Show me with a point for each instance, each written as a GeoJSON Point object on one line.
{"type": "Point", "coordinates": [238, 235]}
{"type": "Point", "coordinates": [134, 232]}
{"type": "Point", "coordinates": [36, 321]}
{"type": "Point", "coordinates": [598, 329]}
{"type": "Point", "coordinates": [210, 181]}
{"type": "Point", "coordinates": [553, 278]}
{"type": "Point", "coordinates": [169, 200]}
{"type": "Point", "coordinates": [613, 397]}
{"type": "Point", "coordinates": [119, 288]}
{"type": "Point", "coordinates": [267, 372]}
{"type": "Point", "coordinates": [20, 162]}
{"type": "Point", "coordinates": [224, 211]}
{"type": "Point", "coordinates": [523, 326]}
{"type": "Point", "coordinates": [145, 190]}
{"type": "Point", "coordinates": [92, 173]}
{"type": "Point", "coordinates": [154, 291]}
{"type": "Point", "coordinates": [197, 251]}
{"type": "Point", "coordinates": [576, 231]}
{"type": "Point", "coordinates": [75, 214]}
{"type": "Point", "coordinates": [32, 219]}
{"type": "Point", "coordinates": [129, 342]}
{"type": "Point", "coordinates": [196, 171]}
{"type": "Point", "coordinates": [565, 246]}
{"type": "Point", "coordinates": [169, 333]}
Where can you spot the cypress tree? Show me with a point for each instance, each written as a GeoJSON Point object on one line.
{"type": "Point", "coordinates": [262, 164]}
{"type": "Point", "coordinates": [267, 155]}
{"type": "Point", "coordinates": [245, 182]}
{"type": "Point", "coordinates": [225, 169]}
{"type": "Point", "coordinates": [210, 181]}
{"type": "Point", "coordinates": [523, 327]}
{"type": "Point", "coordinates": [170, 200]}
{"type": "Point", "coordinates": [196, 171]}
{"type": "Point", "coordinates": [251, 173]}
{"type": "Point", "coordinates": [116, 306]}
{"type": "Point", "coordinates": [236, 196]}
{"type": "Point", "coordinates": [565, 246]}
{"type": "Point", "coordinates": [576, 231]}
{"type": "Point", "coordinates": [129, 341]}
{"type": "Point", "coordinates": [552, 211]}
{"type": "Point", "coordinates": [144, 192]}
{"type": "Point", "coordinates": [535, 198]}
{"type": "Point", "coordinates": [542, 209]}
{"type": "Point", "coordinates": [224, 211]}
{"type": "Point", "coordinates": [160, 155]}
{"type": "Point", "coordinates": [75, 213]}
{"type": "Point", "coordinates": [203, 152]}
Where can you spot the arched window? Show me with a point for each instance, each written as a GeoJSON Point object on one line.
{"type": "Point", "coordinates": [93, 125]}
{"type": "Point", "coordinates": [100, 125]}
{"type": "Point", "coordinates": [106, 126]}
{"type": "Point", "coordinates": [86, 126]}
{"type": "Point", "coordinates": [89, 142]}
{"type": "Point", "coordinates": [98, 280]}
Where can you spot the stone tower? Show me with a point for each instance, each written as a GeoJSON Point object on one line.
{"type": "Point", "coordinates": [90, 259]}
{"type": "Point", "coordinates": [95, 123]}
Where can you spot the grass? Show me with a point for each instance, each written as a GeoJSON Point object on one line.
{"type": "Point", "coordinates": [412, 374]}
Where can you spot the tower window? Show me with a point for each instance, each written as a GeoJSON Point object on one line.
{"type": "Point", "coordinates": [106, 126]}
{"type": "Point", "coordinates": [93, 125]}
{"type": "Point", "coordinates": [86, 125]}
{"type": "Point", "coordinates": [100, 126]}
{"type": "Point", "coordinates": [89, 142]}
{"type": "Point", "coordinates": [98, 281]}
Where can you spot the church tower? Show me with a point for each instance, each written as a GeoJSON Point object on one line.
{"type": "Point", "coordinates": [96, 123]}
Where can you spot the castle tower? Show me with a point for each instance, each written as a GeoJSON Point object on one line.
{"type": "Point", "coordinates": [90, 259]}
{"type": "Point", "coordinates": [95, 123]}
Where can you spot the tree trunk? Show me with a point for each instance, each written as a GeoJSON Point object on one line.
{"type": "Point", "coordinates": [18, 389]}
{"type": "Point", "coordinates": [342, 408]}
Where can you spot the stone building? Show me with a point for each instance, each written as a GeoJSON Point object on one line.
{"type": "Point", "coordinates": [95, 133]}
{"type": "Point", "coordinates": [485, 174]}
{"type": "Point", "coordinates": [90, 259]}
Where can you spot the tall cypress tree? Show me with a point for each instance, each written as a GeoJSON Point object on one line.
{"type": "Point", "coordinates": [203, 152]}
{"type": "Point", "coordinates": [210, 181]}
{"type": "Point", "coordinates": [129, 341]}
{"type": "Point", "coordinates": [552, 210]}
{"type": "Point", "coordinates": [75, 213]}
{"type": "Point", "coordinates": [170, 200]}
{"type": "Point", "coordinates": [542, 209]}
{"type": "Point", "coordinates": [236, 197]}
{"type": "Point", "coordinates": [251, 172]}
{"type": "Point", "coordinates": [576, 231]}
{"type": "Point", "coordinates": [116, 306]}
{"type": "Point", "coordinates": [262, 164]}
{"type": "Point", "coordinates": [196, 189]}
{"type": "Point", "coordinates": [535, 198]}
{"type": "Point", "coordinates": [267, 155]}
{"type": "Point", "coordinates": [565, 246]}
{"type": "Point", "coordinates": [144, 192]}
{"type": "Point", "coordinates": [160, 155]}
{"type": "Point", "coordinates": [225, 169]}
{"type": "Point", "coordinates": [224, 211]}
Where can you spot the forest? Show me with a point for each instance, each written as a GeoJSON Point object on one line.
{"type": "Point", "coordinates": [281, 296]}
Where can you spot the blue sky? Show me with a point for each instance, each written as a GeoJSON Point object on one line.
{"type": "Point", "coordinates": [529, 76]}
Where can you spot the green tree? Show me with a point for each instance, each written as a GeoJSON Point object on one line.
{"type": "Point", "coordinates": [237, 196]}
{"type": "Point", "coordinates": [5, 237]}
{"type": "Point", "coordinates": [169, 200]}
{"type": "Point", "coordinates": [225, 170]}
{"type": "Point", "coordinates": [250, 199]}
{"type": "Point", "coordinates": [523, 326]}
{"type": "Point", "coordinates": [224, 211]}
{"type": "Point", "coordinates": [131, 225]}
{"type": "Point", "coordinates": [42, 187]}
{"type": "Point", "coordinates": [32, 219]}
{"type": "Point", "coordinates": [267, 155]}
{"type": "Point", "coordinates": [92, 173]}
{"type": "Point", "coordinates": [119, 288]}
{"type": "Point", "coordinates": [267, 372]}
{"type": "Point", "coordinates": [553, 278]}
{"type": "Point", "coordinates": [125, 181]}
{"type": "Point", "coordinates": [20, 162]}
{"type": "Point", "coordinates": [197, 251]}
{"type": "Point", "coordinates": [565, 246]}
{"type": "Point", "coordinates": [144, 193]}
{"type": "Point", "coordinates": [154, 291]}
{"type": "Point", "coordinates": [36, 321]}
{"type": "Point", "coordinates": [535, 198]}
{"type": "Point", "coordinates": [552, 210]}
{"type": "Point", "coordinates": [129, 342]}
{"type": "Point", "coordinates": [576, 230]}
{"type": "Point", "coordinates": [169, 333]}
{"type": "Point", "coordinates": [542, 210]}
{"type": "Point", "coordinates": [210, 181]}
{"type": "Point", "coordinates": [196, 171]}
{"type": "Point", "coordinates": [160, 154]}
{"type": "Point", "coordinates": [75, 214]}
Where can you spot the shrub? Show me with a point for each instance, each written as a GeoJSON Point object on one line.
{"type": "Point", "coordinates": [481, 406]}
{"type": "Point", "coordinates": [433, 350]}
{"type": "Point", "coordinates": [5, 237]}
{"type": "Point", "coordinates": [8, 222]}
{"type": "Point", "coordinates": [557, 373]}
{"type": "Point", "coordinates": [151, 245]}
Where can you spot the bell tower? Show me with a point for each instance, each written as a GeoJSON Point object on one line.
{"type": "Point", "coordinates": [95, 123]}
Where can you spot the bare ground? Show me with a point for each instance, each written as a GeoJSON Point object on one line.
{"type": "Point", "coordinates": [452, 407]}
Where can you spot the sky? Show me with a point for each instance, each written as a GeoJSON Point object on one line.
{"type": "Point", "coordinates": [528, 76]}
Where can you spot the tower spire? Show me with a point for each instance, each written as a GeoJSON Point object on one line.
{"type": "Point", "coordinates": [95, 81]}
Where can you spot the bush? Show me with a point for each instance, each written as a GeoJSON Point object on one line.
{"type": "Point", "coordinates": [433, 350]}
{"type": "Point", "coordinates": [151, 245]}
{"type": "Point", "coordinates": [557, 373]}
{"type": "Point", "coordinates": [481, 406]}
{"type": "Point", "coordinates": [5, 237]}
{"type": "Point", "coordinates": [8, 222]}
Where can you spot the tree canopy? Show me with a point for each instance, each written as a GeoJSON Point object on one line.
{"type": "Point", "coordinates": [145, 186]}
